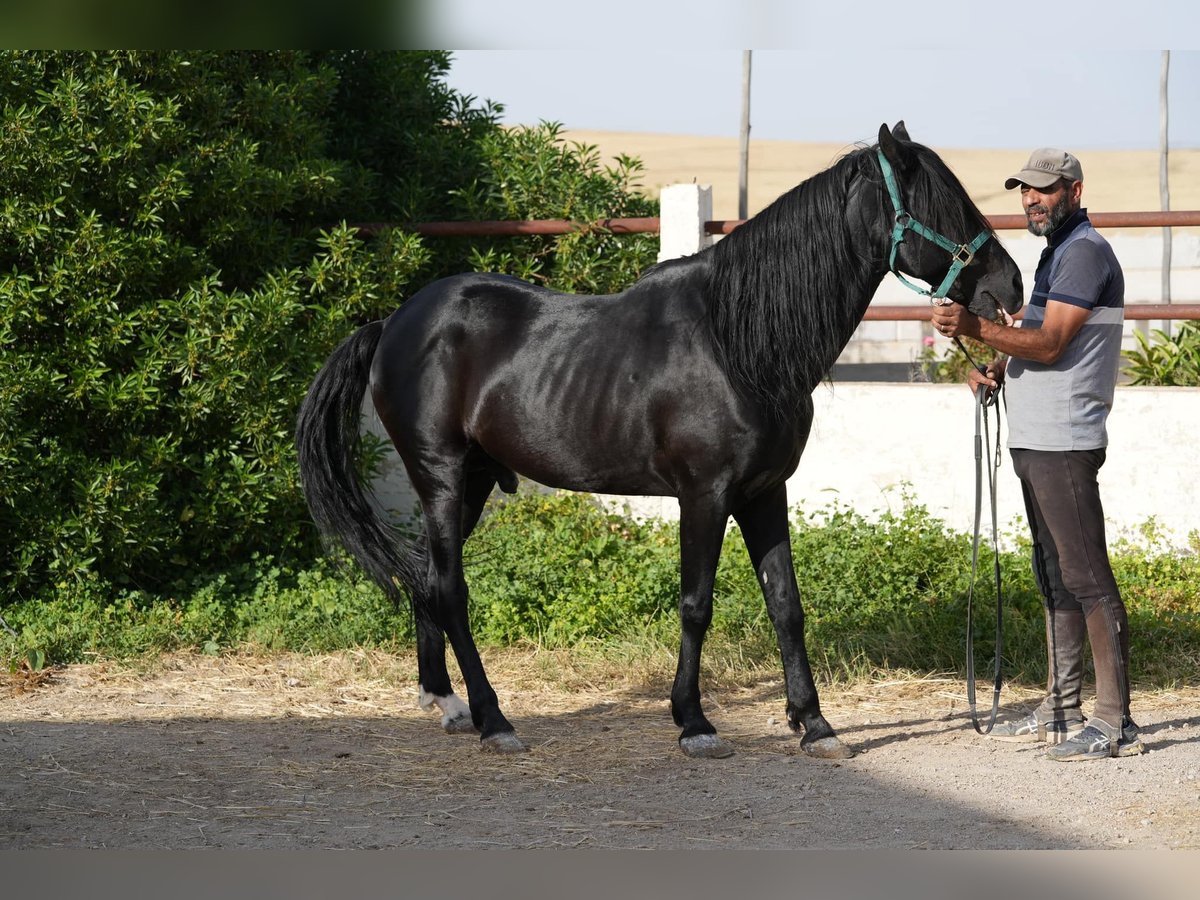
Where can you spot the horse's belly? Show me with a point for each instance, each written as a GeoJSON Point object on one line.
{"type": "Point", "coordinates": [580, 463]}
{"type": "Point", "coordinates": [600, 483]}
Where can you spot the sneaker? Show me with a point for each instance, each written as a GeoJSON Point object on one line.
{"type": "Point", "coordinates": [1092, 743]}
{"type": "Point", "coordinates": [1030, 730]}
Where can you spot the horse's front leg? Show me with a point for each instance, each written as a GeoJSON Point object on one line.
{"type": "Point", "coordinates": [764, 525]}
{"type": "Point", "coordinates": [701, 531]}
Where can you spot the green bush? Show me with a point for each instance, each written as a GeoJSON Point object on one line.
{"type": "Point", "coordinates": [173, 273]}
{"type": "Point", "coordinates": [261, 604]}
{"type": "Point", "coordinates": [560, 570]}
{"type": "Point", "coordinates": [532, 173]}
{"type": "Point", "coordinates": [951, 365]}
{"type": "Point", "coordinates": [1166, 359]}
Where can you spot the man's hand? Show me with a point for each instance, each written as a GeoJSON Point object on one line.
{"type": "Point", "coordinates": [954, 320]}
{"type": "Point", "coordinates": [989, 379]}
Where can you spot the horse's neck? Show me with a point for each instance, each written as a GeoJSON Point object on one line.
{"type": "Point", "coordinates": [789, 287]}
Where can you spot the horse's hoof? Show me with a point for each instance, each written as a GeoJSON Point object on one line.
{"type": "Point", "coordinates": [706, 746]}
{"type": "Point", "coordinates": [502, 742]}
{"type": "Point", "coordinates": [461, 724]}
{"type": "Point", "coordinates": [827, 748]}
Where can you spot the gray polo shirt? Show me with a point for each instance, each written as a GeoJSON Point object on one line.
{"type": "Point", "coordinates": [1065, 406]}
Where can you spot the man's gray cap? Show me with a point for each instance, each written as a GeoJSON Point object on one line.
{"type": "Point", "coordinates": [1046, 165]}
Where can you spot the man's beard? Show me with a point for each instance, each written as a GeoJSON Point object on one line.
{"type": "Point", "coordinates": [1055, 216]}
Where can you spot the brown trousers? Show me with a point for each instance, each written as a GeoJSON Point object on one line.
{"type": "Point", "coordinates": [1070, 563]}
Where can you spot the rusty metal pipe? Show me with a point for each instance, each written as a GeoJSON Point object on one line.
{"type": "Point", "coordinates": [651, 224]}
{"type": "Point", "coordinates": [921, 312]}
{"type": "Point", "coordinates": [907, 313]}
{"type": "Point", "coordinates": [1016, 221]}
{"type": "Point", "coordinates": [516, 228]}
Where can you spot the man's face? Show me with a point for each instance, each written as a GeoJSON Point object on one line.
{"type": "Point", "coordinates": [1047, 208]}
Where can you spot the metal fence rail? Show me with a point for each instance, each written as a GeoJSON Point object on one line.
{"type": "Point", "coordinates": [652, 224]}
{"type": "Point", "coordinates": [877, 313]}
{"type": "Point", "coordinates": [923, 312]}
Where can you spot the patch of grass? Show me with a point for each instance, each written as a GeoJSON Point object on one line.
{"type": "Point", "coordinates": [562, 572]}
{"type": "Point", "coordinates": [262, 604]}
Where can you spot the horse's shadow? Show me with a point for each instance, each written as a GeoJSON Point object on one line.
{"type": "Point", "coordinates": [730, 716]}
{"type": "Point", "coordinates": [862, 736]}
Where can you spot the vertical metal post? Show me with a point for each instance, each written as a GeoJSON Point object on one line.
{"type": "Point", "coordinates": [744, 157]}
{"type": "Point", "coordinates": [1164, 189]}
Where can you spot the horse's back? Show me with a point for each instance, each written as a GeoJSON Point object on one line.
{"type": "Point", "coordinates": [615, 394]}
{"type": "Point", "coordinates": [489, 305]}
{"type": "Point", "coordinates": [479, 329]}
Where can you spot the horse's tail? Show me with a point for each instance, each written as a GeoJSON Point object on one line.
{"type": "Point", "coordinates": [327, 438]}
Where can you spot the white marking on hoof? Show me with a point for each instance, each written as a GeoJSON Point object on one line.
{"type": "Point", "coordinates": [706, 746]}
{"type": "Point", "coordinates": [456, 715]}
{"type": "Point", "coordinates": [827, 748]}
{"type": "Point", "coordinates": [502, 742]}
{"type": "Point", "coordinates": [460, 724]}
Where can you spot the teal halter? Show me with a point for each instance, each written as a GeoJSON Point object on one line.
{"type": "Point", "coordinates": [961, 254]}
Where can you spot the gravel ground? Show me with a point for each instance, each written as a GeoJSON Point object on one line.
{"type": "Point", "coordinates": [330, 752]}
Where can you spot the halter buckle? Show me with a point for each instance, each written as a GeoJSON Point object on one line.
{"type": "Point", "coordinates": [962, 255]}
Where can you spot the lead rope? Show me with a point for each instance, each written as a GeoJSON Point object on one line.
{"type": "Point", "coordinates": [984, 399]}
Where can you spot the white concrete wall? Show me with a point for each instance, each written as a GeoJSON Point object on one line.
{"type": "Point", "coordinates": [872, 443]}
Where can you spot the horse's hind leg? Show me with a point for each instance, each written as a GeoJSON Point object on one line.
{"type": "Point", "coordinates": [701, 531]}
{"type": "Point", "coordinates": [443, 507]}
{"type": "Point", "coordinates": [765, 530]}
{"type": "Point", "coordinates": [435, 687]}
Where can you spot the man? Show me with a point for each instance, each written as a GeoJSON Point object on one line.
{"type": "Point", "coordinates": [1061, 367]}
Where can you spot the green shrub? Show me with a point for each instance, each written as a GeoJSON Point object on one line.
{"type": "Point", "coordinates": [560, 570]}
{"type": "Point", "coordinates": [532, 173]}
{"type": "Point", "coordinates": [262, 605]}
{"type": "Point", "coordinates": [173, 273]}
{"type": "Point", "coordinates": [1167, 359]}
{"type": "Point", "coordinates": [950, 365]}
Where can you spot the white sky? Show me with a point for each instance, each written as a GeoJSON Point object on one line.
{"type": "Point", "coordinates": [974, 78]}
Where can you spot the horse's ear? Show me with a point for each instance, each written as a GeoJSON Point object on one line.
{"type": "Point", "coordinates": [897, 154]}
{"type": "Point", "coordinates": [900, 133]}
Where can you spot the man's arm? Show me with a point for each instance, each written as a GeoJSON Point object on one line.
{"type": "Point", "coordinates": [1044, 345]}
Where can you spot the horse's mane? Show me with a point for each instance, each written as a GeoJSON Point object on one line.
{"type": "Point", "coordinates": [788, 287]}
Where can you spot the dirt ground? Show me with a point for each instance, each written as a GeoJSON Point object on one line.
{"type": "Point", "coordinates": [331, 752]}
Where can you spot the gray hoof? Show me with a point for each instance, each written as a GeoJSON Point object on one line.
{"type": "Point", "coordinates": [459, 725]}
{"type": "Point", "coordinates": [706, 746]}
{"type": "Point", "coordinates": [827, 748]}
{"type": "Point", "coordinates": [502, 742]}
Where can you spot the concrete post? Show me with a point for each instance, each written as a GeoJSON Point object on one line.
{"type": "Point", "coordinates": [684, 210]}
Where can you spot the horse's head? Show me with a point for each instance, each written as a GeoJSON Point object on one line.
{"type": "Point", "coordinates": [938, 235]}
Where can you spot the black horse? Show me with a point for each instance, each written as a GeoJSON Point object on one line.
{"type": "Point", "coordinates": [694, 383]}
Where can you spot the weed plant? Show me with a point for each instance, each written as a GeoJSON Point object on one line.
{"type": "Point", "coordinates": [563, 571]}
{"type": "Point", "coordinates": [1166, 358]}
